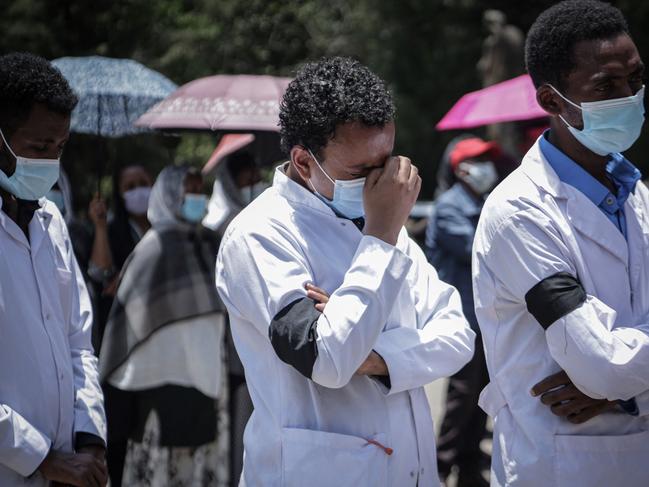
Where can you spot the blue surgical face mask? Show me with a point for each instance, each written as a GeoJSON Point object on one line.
{"type": "Point", "coordinates": [194, 207]}
{"type": "Point", "coordinates": [348, 194]}
{"type": "Point", "coordinates": [610, 126]}
{"type": "Point", "coordinates": [32, 179]}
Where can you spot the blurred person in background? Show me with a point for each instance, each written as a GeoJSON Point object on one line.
{"type": "Point", "coordinates": [449, 239]}
{"type": "Point", "coordinates": [164, 346]}
{"type": "Point", "coordinates": [112, 242]}
{"type": "Point", "coordinates": [52, 422]}
{"type": "Point", "coordinates": [238, 182]}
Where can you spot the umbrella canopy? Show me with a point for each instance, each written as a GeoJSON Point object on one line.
{"type": "Point", "coordinates": [510, 101]}
{"type": "Point", "coordinates": [228, 144]}
{"type": "Point", "coordinates": [112, 93]}
{"type": "Point", "coordinates": [223, 103]}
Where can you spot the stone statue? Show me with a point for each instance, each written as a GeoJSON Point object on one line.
{"type": "Point", "coordinates": [502, 51]}
{"type": "Point", "coordinates": [503, 58]}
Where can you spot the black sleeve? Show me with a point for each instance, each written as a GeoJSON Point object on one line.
{"type": "Point", "coordinates": [293, 335]}
{"type": "Point", "coordinates": [88, 439]}
{"type": "Point", "coordinates": [554, 297]}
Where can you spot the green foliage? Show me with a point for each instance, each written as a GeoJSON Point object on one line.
{"type": "Point", "coordinates": [427, 50]}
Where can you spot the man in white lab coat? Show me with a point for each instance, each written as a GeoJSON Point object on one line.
{"type": "Point", "coordinates": [337, 316]}
{"type": "Point", "coordinates": [52, 424]}
{"type": "Point", "coordinates": [561, 268]}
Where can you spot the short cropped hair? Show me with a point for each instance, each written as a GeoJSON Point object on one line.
{"type": "Point", "coordinates": [549, 48]}
{"type": "Point", "coordinates": [26, 79]}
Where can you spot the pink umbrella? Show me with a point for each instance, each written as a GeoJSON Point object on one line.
{"type": "Point", "coordinates": [228, 144]}
{"type": "Point", "coordinates": [222, 102]}
{"type": "Point", "coordinates": [509, 101]}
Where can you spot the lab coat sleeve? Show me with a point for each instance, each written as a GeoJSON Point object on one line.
{"type": "Point", "coordinates": [260, 273]}
{"type": "Point", "coordinates": [440, 345]}
{"type": "Point", "coordinates": [22, 447]}
{"type": "Point", "coordinates": [602, 361]}
{"type": "Point", "coordinates": [89, 415]}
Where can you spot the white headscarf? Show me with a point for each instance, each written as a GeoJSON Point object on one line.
{"type": "Point", "coordinates": [166, 198]}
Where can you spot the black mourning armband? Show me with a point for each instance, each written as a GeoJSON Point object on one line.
{"type": "Point", "coordinates": [554, 297]}
{"type": "Point", "coordinates": [293, 335]}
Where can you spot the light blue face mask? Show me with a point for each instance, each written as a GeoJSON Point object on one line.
{"type": "Point", "coordinates": [348, 195]}
{"type": "Point", "coordinates": [32, 179]}
{"type": "Point", "coordinates": [610, 126]}
{"type": "Point", "coordinates": [194, 207]}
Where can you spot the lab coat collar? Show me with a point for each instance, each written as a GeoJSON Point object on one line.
{"type": "Point", "coordinates": [38, 226]}
{"type": "Point", "coordinates": [298, 194]}
{"type": "Point", "coordinates": [583, 215]}
{"type": "Point", "coordinates": [539, 170]}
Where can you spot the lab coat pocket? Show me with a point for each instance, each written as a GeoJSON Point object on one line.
{"type": "Point", "coordinates": [321, 459]}
{"type": "Point", "coordinates": [602, 461]}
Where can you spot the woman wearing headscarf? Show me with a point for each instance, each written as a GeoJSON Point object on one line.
{"type": "Point", "coordinates": [164, 345]}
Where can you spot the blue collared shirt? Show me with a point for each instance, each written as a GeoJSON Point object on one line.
{"type": "Point", "coordinates": [622, 173]}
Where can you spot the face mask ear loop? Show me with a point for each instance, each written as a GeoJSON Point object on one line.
{"type": "Point", "coordinates": [569, 101]}
{"type": "Point", "coordinates": [7, 144]}
{"type": "Point", "coordinates": [320, 167]}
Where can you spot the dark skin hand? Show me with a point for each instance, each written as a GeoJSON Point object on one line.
{"type": "Point", "coordinates": [604, 70]}
{"type": "Point", "coordinates": [374, 363]}
{"type": "Point", "coordinates": [75, 469]}
{"type": "Point", "coordinates": [565, 400]}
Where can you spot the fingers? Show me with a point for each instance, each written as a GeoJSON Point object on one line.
{"type": "Point", "coordinates": [590, 412]}
{"type": "Point", "coordinates": [405, 169]}
{"type": "Point", "coordinates": [320, 307]}
{"type": "Point", "coordinates": [373, 177]}
{"type": "Point", "coordinates": [414, 182]}
{"type": "Point", "coordinates": [572, 407]}
{"type": "Point", "coordinates": [552, 382]}
{"type": "Point", "coordinates": [317, 294]}
{"type": "Point", "coordinates": [565, 393]}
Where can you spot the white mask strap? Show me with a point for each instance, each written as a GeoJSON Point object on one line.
{"type": "Point", "coordinates": [559, 93]}
{"type": "Point", "coordinates": [320, 167]}
{"type": "Point", "coordinates": [7, 144]}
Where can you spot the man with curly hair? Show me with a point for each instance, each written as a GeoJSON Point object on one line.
{"type": "Point", "coordinates": [561, 268]}
{"type": "Point", "coordinates": [52, 423]}
{"type": "Point", "coordinates": [337, 316]}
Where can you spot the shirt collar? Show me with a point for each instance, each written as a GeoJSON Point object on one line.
{"type": "Point", "coordinates": [624, 174]}
{"type": "Point", "coordinates": [296, 193]}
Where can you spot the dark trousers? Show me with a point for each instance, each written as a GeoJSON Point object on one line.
{"type": "Point", "coordinates": [463, 427]}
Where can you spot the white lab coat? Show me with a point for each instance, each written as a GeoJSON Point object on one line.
{"type": "Point", "coordinates": [534, 226]}
{"type": "Point", "coordinates": [49, 388]}
{"type": "Point", "coordinates": [315, 432]}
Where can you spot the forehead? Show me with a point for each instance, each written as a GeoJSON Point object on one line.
{"type": "Point", "coordinates": [133, 172]}
{"type": "Point", "coordinates": [355, 138]}
{"type": "Point", "coordinates": [44, 125]}
{"type": "Point", "coordinates": [614, 57]}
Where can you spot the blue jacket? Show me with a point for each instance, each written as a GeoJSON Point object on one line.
{"type": "Point", "coordinates": [449, 239]}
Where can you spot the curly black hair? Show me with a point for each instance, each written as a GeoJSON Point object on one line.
{"type": "Point", "coordinates": [26, 79]}
{"type": "Point", "coordinates": [550, 41]}
{"type": "Point", "coordinates": [327, 93]}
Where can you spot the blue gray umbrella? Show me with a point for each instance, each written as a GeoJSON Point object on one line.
{"type": "Point", "coordinates": [113, 93]}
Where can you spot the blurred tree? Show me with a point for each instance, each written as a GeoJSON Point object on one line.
{"type": "Point", "coordinates": [427, 50]}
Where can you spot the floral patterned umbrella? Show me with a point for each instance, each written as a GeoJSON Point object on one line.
{"type": "Point", "coordinates": [113, 93]}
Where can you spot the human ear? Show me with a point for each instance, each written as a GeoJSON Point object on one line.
{"type": "Point", "coordinates": [300, 158]}
{"type": "Point", "coordinates": [549, 100]}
